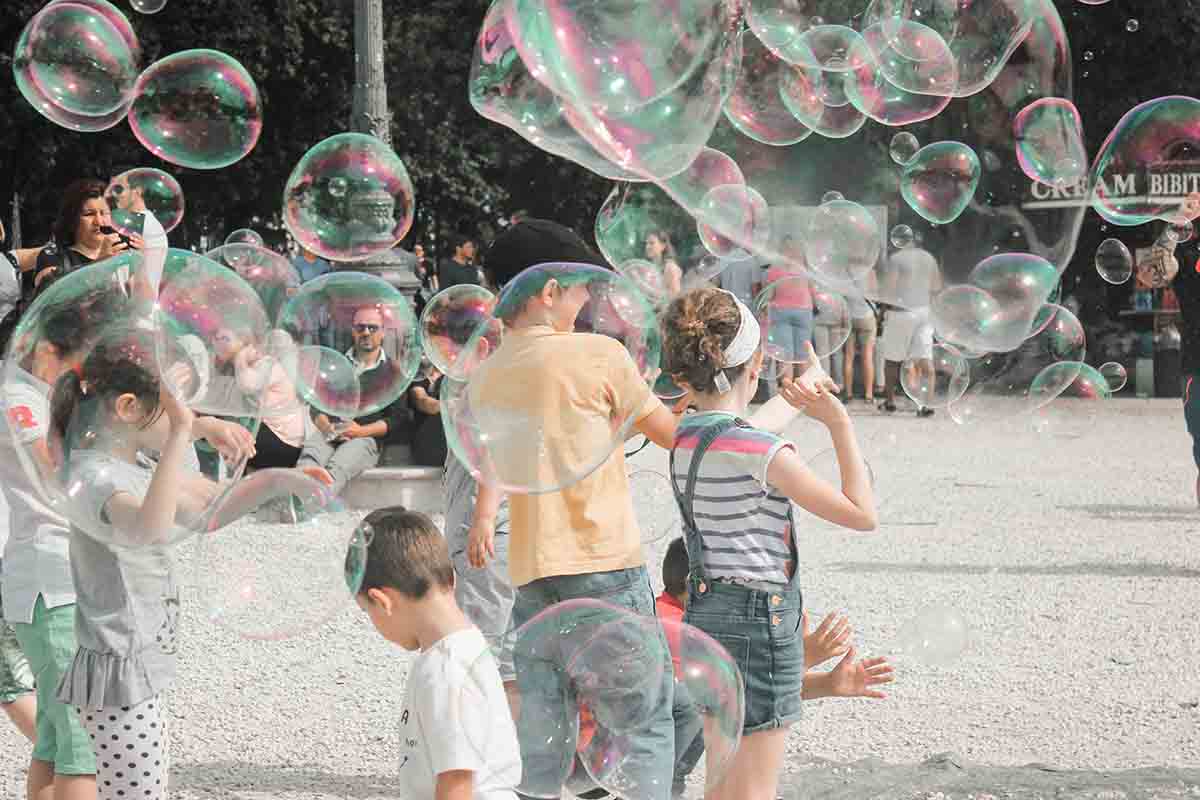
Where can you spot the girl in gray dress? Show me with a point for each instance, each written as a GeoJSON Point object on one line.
{"type": "Point", "coordinates": [127, 597]}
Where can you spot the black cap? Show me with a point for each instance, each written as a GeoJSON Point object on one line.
{"type": "Point", "coordinates": [536, 241]}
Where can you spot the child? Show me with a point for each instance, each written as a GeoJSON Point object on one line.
{"type": "Point", "coordinates": [733, 484]}
{"type": "Point", "coordinates": [581, 541]}
{"type": "Point", "coordinates": [103, 419]}
{"type": "Point", "coordinates": [458, 741]}
{"type": "Point", "coordinates": [827, 641]}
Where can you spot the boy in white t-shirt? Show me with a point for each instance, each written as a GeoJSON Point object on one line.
{"type": "Point", "coordinates": [457, 738]}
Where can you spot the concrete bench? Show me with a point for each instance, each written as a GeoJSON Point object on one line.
{"type": "Point", "coordinates": [396, 481]}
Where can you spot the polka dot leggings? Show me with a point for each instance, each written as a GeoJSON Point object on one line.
{"type": "Point", "coordinates": [131, 750]}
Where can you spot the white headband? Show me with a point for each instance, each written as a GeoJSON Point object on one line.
{"type": "Point", "coordinates": [744, 345]}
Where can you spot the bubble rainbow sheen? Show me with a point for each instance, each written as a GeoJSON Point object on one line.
{"type": "Point", "coordinates": [198, 109]}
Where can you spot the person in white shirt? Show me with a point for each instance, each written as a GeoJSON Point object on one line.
{"type": "Point", "coordinates": [457, 738]}
{"type": "Point", "coordinates": [912, 280]}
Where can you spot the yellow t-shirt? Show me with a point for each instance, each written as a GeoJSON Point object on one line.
{"type": "Point", "coordinates": [550, 405]}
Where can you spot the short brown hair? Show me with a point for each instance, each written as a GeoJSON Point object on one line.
{"type": "Point", "coordinates": [697, 328]}
{"type": "Point", "coordinates": [405, 552]}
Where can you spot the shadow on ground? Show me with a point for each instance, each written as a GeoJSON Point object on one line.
{"type": "Point", "coordinates": [1127, 513]}
{"type": "Point", "coordinates": [233, 780]}
{"type": "Point", "coordinates": [947, 777]}
{"type": "Point", "coordinates": [1139, 570]}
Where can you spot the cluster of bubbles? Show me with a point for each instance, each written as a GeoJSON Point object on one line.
{"type": "Point", "coordinates": [839, 151]}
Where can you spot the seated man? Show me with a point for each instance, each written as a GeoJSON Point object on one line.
{"type": "Point", "coordinates": [347, 448]}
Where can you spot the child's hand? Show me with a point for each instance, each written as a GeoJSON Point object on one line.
{"type": "Point", "coordinates": [827, 409]}
{"type": "Point", "coordinates": [481, 544]}
{"type": "Point", "coordinates": [319, 474]}
{"type": "Point", "coordinates": [232, 441]}
{"type": "Point", "coordinates": [812, 384]}
{"type": "Point", "coordinates": [178, 414]}
{"type": "Point", "coordinates": [855, 679]}
{"type": "Point", "coordinates": [831, 638]}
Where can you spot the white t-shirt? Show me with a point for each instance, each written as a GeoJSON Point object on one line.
{"type": "Point", "coordinates": [456, 717]}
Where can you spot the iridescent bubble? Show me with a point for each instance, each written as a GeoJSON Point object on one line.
{"type": "Point", "coordinates": [832, 196]}
{"type": "Point", "coordinates": [368, 320]}
{"type": "Point", "coordinates": [938, 381]}
{"type": "Point", "coordinates": [280, 557]}
{"type": "Point", "coordinates": [736, 215]}
{"type": "Point", "coordinates": [936, 636]}
{"type": "Point", "coordinates": [327, 380]}
{"type": "Point", "coordinates": [1155, 143]}
{"type": "Point", "coordinates": [804, 91]}
{"type": "Point", "coordinates": [940, 181]}
{"type": "Point", "coordinates": [981, 35]}
{"type": "Point", "coordinates": [494, 423]}
{"type": "Point", "coordinates": [776, 23]}
{"type": "Point", "coordinates": [841, 241]}
{"type": "Point", "coordinates": [1070, 379]}
{"type": "Point", "coordinates": [647, 277]}
{"type": "Point", "coordinates": [1050, 147]}
{"type": "Point", "coordinates": [1088, 55]}
{"type": "Point", "coordinates": [1132, 26]}
{"type": "Point", "coordinates": [913, 57]}
{"type": "Point", "coordinates": [148, 6]}
{"type": "Point", "coordinates": [902, 236]}
{"type": "Point", "coordinates": [451, 320]}
{"type": "Point", "coordinates": [374, 211]}
{"type": "Point", "coordinates": [654, 503]}
{"type": "Point", "coordinates": [904, 146]}
{"type": "Point", "coordinates": [1178, 233]}
{"type": "Point", "coordinates": [884, 96]}
{"type": "Point", "coordinates": [77, 63]}
{"type": "Point", "coordinates": [755, 107]}
{"type": "Point", "coordinates": [828, 48]}
{"type": "Point", "coordinates": [1115, 374]}
{"type": "Point", "coordinates": [1020, 284]}
{"type": "Point", "coordinates": [136, 191]}
{"type": "Point", "coordinates": [270, 274]}
{"type": "Point", "coordinates": [338, 187]}
{"type": "Point", "coordinates": [1114, 263]}
{"type": "Point", "coordinates": [245, 236]}
{"type": "Point", "coordinates": [198, 108]}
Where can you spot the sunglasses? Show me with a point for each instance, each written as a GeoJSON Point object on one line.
{"type": "Point", "coordinates": [366, 328]}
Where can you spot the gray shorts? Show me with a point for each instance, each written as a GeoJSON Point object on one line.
{"type": "Point", "coordinates": [485, 595]}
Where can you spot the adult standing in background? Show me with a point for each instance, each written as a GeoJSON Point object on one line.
{"type": "Point", "coordinates": [661, 252]}
{"type": "Point", "coordinates": [310, 266]}
{"type": "Point", "coordinates": [862, 339]}
{"type": "Point", "coordinates": [912, 280]}
{"type": "Point", "coordinates": [460, 268]}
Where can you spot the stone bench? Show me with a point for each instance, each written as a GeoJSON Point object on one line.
{"type": "Point", "coordinates": [396, 481]}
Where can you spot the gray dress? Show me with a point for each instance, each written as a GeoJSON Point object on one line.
{"type": "Point", "coordinates": [127, 606]}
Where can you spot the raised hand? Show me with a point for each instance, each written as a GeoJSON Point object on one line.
{"type": "Point", "coordinates": [831, 638]}
{"type": "Point", "coordinates": [852, 678]}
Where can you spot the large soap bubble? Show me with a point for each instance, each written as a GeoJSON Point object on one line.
{"type": "Point", "coordinates": [361, 326]}
{"type": "Point", "coordinates": [134, 192]}
{"type": "Point", "coordinates": [270, 274]}
{"type": "Point", "coordinates": [938, 381]}
{"type": "Point", "coordinates": [198, 109]}
{"type": "Point", "coordinates": [273, 561]}
{"type": "Point", "coordinates": [1050, 142]}
{"type": "Point", "coordinates": [936, 636]}
{"type": "Point", "coordinates": [348, 198]}
{"type": "Point", "coordinates": [451, 320]}
{"type": "Point", "coordinates": [940, 180]}
{"type": "Point", "coordinates": [1147, 141]}
{"type": "Point", "coordinates": [116, 347]}
{"type": "Point", "coordinates": [495, 422]}
{"type": "Point", "coordinates": [999, 307]}
{"type": "Point", "coordinates": [77, 62]}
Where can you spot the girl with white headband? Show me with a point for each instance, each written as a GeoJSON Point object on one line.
{"type": "Point", "coordinates": [734, 484]}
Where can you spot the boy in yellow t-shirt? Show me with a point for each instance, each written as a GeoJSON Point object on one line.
{"type": "Point", "coordinates": [581, 541]}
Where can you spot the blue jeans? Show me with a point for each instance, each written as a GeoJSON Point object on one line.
{"type": "Point", "coordinates": [549, 707]}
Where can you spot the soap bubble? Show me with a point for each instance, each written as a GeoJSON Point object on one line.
{"type": "Point", "coordinates": [77, 63]}
{"type": "Point", "coordinates": [280, 556]}
{"type": "Point", "coordinates": [245, 236]}
{"type": "Point", "coordinates": [451, 320]}
{"type": "Point", "coordinates": [1071, 379]}
{"type": "Point", "coordinates": [1154, 140]}
{"type": "Point", "coordinates": [754, 107]}
{"type": "Point", "coordinates": [654, 502]}
{"type": "Point", "coordinates": [495, 422]}
{"type": "Point", "coordinates": [1179, 233]}
{"type": "Point", "coordinates": [936, 636]}
{"type": "Point", "coordinates": [999, 307]}
{"type": "Point", "coordinates": [1050, 147]}
{"type": "Point", "coordinates": [842, 241]}
{"type": "Point", "coordinates": [1114, 262]}
{"type": "Point", "coordinates": [938, 381]}
{"type": "Point", "coordinates": [940, 181]}
{"type": "Point", "coordinates": [902, 236]}
{"type": "Point", "coordinates": [806, 92]}
{"type": "Point", "coordinates": [908, 75]}
{"type": "Point", "coordinates": [1115, 375]}
{"type": "Point", "coordinates": [831, 316]}
{"type": "Point", "coordinates": [124, 345]}
{"type": "Point", "coordinates": [832, 196]}
{"type": "Point", "coordinates": [366, 212]}
{"type": "Point", "coordinates": [144, 189]}
{"type": "Point", "coordinates": [352, 318]}
{"type": "Point", "coordinates": [198, 109]}
{"type": "Point", "coordinates": [785, 313]}
{"type": "Point", "coordinates": [1132, 26]}
{"type": "Point", "coordinates": [614, 663]}
{"type": "Point", "coordinates": [270, 274]}
{"type": "Point", "coordinates": [148, 6]}
{"type": "Point", "coordinates": [904, 146]}
{"type": "Point", "coordinates": [739, 209]}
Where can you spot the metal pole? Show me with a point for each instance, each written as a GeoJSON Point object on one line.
{"type": "Point", "coordinates": [369, 114]}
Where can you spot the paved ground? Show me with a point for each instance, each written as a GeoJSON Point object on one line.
{"type": "Point", "coordinates": [1069, 551]}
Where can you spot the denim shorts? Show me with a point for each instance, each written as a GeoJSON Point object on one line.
{"type": "Point", "coordinates": [761, 631]}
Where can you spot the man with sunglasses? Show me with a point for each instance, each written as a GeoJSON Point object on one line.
{"type": "Point", "coordinates": [347, 448]}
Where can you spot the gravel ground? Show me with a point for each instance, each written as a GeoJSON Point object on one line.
{"type": "Point", "coordinates": [1064, 549]}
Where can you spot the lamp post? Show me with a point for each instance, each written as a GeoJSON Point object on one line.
{"type": "Point", "coordinates": [369, 114]}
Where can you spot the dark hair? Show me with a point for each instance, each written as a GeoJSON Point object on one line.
{"type": "Point", "coordinates": [74, 196]}
{"type": "Point", "coordinates": [675, 568]}
{"type": "Point", "coordinates": [668, 248]}
{"type": "Point", "coordinates": [697, 328]}
{"type": "Point", "coordinates": [121, 363]}
{"type": "Point", "coordinates": [536, 241]}
{"type": "Point", "coordinates": [405, 552]}
{"type": "Point", "coordinates": [458, 240]}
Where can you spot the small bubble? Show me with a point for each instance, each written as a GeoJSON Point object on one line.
{"type": "Point", "coordinates": [1088, 55]}
{"type": "Point", "coordinates": [1132, 26]}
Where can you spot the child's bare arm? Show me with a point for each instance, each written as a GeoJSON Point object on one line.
{"type": "Point", "coordinates": [481, 540]}
{"type": "Point", "coordinates": [458, 784]}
